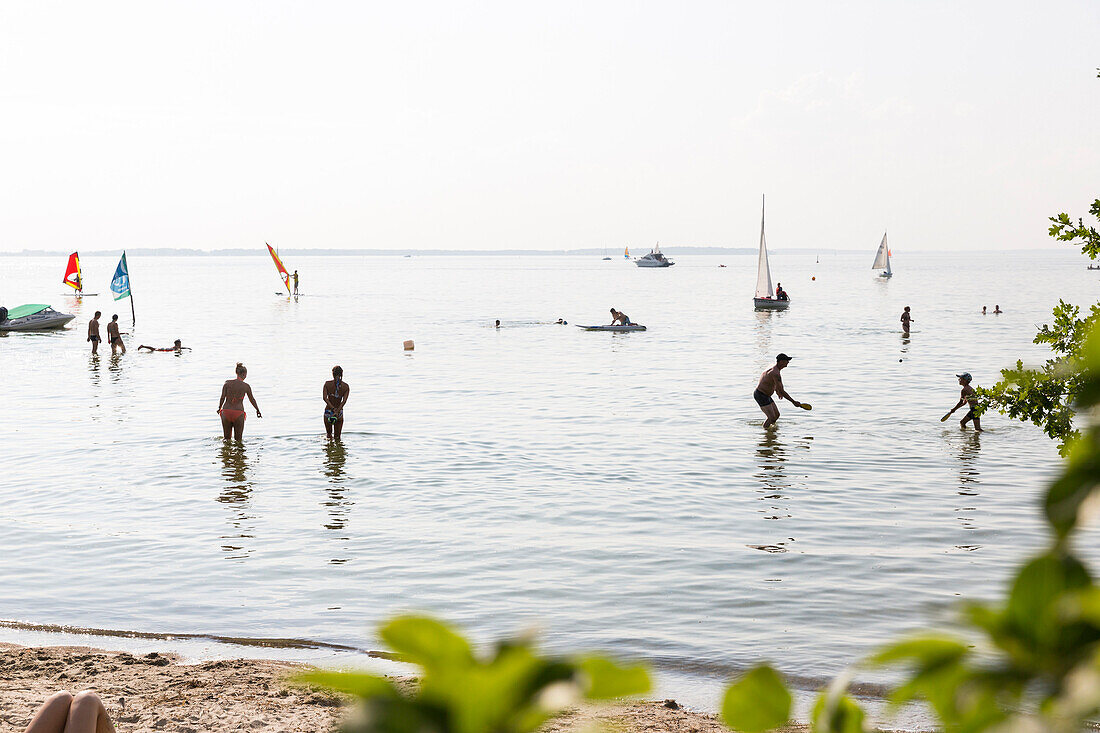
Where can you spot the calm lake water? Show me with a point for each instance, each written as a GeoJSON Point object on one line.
{"type": "Point", "coordinates": [616, 490]}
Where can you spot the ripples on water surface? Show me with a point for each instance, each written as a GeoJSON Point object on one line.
{"type": "Point", "coordinates": [616, 490]}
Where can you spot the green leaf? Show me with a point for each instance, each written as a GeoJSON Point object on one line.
{"type": "Point", "coordinates": [757, 702]}
{"type": "Point", "coordinates": [922, 651]}
{"type": "Point", "coordinates": [1039, 593]}
{"type": "Point", "coordinates": [606, 679]}
{"type": "Point", "coordinates": [359, 684]}
{"type": "Point", "coordinates": [836, 715]}
{"type": "Point", "coordinates": [426, 642]}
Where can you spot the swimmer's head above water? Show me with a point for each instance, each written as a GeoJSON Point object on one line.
{"type": "Point", "coordinates": [242, 372]}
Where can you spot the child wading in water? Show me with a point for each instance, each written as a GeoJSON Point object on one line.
{"type": "Point", "coordinates": [967, 396]}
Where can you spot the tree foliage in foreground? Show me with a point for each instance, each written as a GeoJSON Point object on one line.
{"type": "Point", "coordinates": [1047, 396]}
{"type": "Point", "coordinates": [514, 689]}
{"type": "Point", "coordinates": [1036, 663]}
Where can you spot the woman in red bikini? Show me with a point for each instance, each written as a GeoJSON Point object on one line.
{"type": "Point", "coordinates": [231, 404]}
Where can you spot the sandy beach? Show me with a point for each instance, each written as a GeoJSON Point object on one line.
{"type": "Point", "coordinates": [155, 692]}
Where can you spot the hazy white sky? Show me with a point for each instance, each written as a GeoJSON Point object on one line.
{"type": "Point", "coordinates": [492, 125]}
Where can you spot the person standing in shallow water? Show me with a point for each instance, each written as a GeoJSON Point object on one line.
{"type": "Point", "coordinates": [114, 338]}
{"type": "Point", "coordinates": [967, 396]}
{"type": "Point", "coordinates": [231, 404]}
{"type": "Point", "coordinates": [905, 320]}
{"type": "Point", "coordinates": [771, 382]}
{"type": "Point", "coordinates": [335, 393]}
{"type": "Point", "coordinates": [295, 276]}
{"type": "Point", "coordinates": [93, 332]}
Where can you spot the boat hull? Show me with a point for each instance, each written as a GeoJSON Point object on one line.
{"type": "Point", "coordinates": [653, 263]}
{"type": "Point", "coordinates": [770, 304]}
{"type": "Point", "coordinates": [37, 322]}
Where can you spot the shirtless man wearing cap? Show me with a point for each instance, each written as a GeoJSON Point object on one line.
{"type": "Point", "coordinates": [967, 396]}
{"type": "Point", "coordinates": [771, 382]}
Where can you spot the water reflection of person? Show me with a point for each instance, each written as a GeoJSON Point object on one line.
{"type": "Point", "coordinates": [237, 492]}
{"type": "Point", "coordinates": [337, 501]}
{"type": "Point", "coordinates": [771, 456]}
{"type": "Point", "coordinates": [969, 481]}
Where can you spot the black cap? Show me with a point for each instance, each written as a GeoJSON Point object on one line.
{"type": "Point", "coordinates": [783, 357]}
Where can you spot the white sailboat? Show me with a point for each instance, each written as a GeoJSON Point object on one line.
{"type": "Point", "coordinates": [882, 259]}
{"type": "Point", "coordinates": [765, 297]}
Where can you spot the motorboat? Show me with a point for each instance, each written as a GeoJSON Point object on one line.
{"type": "Point", "coordinates": [764, 299]}
{"type": "Point", "coordinates": [32, 318]}
{"type": "Point", "coordinates": [654, 259]}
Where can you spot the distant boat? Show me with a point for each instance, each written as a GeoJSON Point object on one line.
{"type": "Point", "coordinates": [882, 259]}
{"type": "Point", "coordinates": [1094, 267]}
{"type": "Point", "coordinates": [765, 297]}
{"type": "Point", "coordinates": [654, 259]}
{"type": "Point", "coordinates": [283, 274]}
{"type": "Point", "coordinates": [605, 254]}
{"type": "Point", "coordinates": [73, 276]}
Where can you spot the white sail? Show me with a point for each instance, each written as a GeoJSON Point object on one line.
{"type": "Point", "coordinates": [882, 257]}
{"type": "Point", "coordinates": [763, 272]}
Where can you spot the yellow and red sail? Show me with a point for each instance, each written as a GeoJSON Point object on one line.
{"type": "Point", "coordinates": [72, 273]}
{"type": "Point", "coordinates": [279, 266]}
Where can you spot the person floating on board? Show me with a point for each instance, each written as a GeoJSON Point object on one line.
{"type": "Point", "coordinates": [618, 317]}
{"type": "Point", "coordinates": [771, 382]}
{"type": "Point", "coordinates": [114, 338]}
{"type": "Point", "coordinates": [967, 396]}
{"type": "Point", "coordinates": [335, 393]}
{"type": "Point", "coordinates": [295, 276]}
{"type": "Point", "coordinates": [561, 322]}
{"type": "Point", "coordinates": [93, 332]}
{"type": "Point", "coordinates": [780, 293]}
{"type": "Point", "coordinates": [906, 319]}
{"type": "Point", "coordinates": [177, 347]}
{"type": "Point", "coordinates": [231, 404]}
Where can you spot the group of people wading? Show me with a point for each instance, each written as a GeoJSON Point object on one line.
{"type": "Point", "coordinates": [231, 404]}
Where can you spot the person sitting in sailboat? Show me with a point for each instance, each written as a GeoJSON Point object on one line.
{"type": "Point", "coordinates": [618, 317]}
{"type": "Point", "coordinates": [780, 293]}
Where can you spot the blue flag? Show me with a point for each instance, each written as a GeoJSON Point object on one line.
{"type": "Point", "coordinates": [120, 284]}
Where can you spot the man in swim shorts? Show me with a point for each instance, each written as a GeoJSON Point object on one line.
{"type": "Point", "coordinates": [113, 336]}
{"type": "Point", "coordinates": [295, 276]}
{"type": "Point", "coordinates": [93, 332]}
{"type": "Point", "coordinates": [967, 396]}
{"type": "Point", "coordinates": [771, 382]}
{"type": "Point", "coordinates": [906, 319]}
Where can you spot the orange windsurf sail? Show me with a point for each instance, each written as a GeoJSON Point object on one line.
{"type": "Point", "coordinates": [72, 273]}
{"type": "Point", "coordinates": [279, 266]}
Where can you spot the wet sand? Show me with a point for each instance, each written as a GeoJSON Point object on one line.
{"type": "Point", "coordinates": [156, 693]}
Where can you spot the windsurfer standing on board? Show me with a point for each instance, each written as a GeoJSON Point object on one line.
{"type": "Point", "coordinates": [771, 382]}
{"type": "Point", "coordinates": [231, 404]}
{"type": "Point", "coordinates": [295, 276]}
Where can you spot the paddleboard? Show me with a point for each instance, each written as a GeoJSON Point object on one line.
{"type": "Point", "coordinates": [618, 329]}
{"type": "Point", "coordinates": [81, 295]}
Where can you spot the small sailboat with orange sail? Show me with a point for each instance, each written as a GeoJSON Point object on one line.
{"type": "Point", "coordinates": [73, 277]}
{"type": "Point", "coordinates": [283, 274]}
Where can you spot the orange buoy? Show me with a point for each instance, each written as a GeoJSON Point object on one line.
{"type": "Point", "coordinates": [814, 277]}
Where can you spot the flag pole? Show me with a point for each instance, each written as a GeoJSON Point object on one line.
{"type": "Point", "coordinates": [133, 314]}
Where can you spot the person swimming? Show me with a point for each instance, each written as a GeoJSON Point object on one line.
{"type": "Point", "coordinates": [335, 394]}
{"type": "Point", "coordinates": [177, 346]}
{"type": "Point", "coordinates": [231, 404]}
